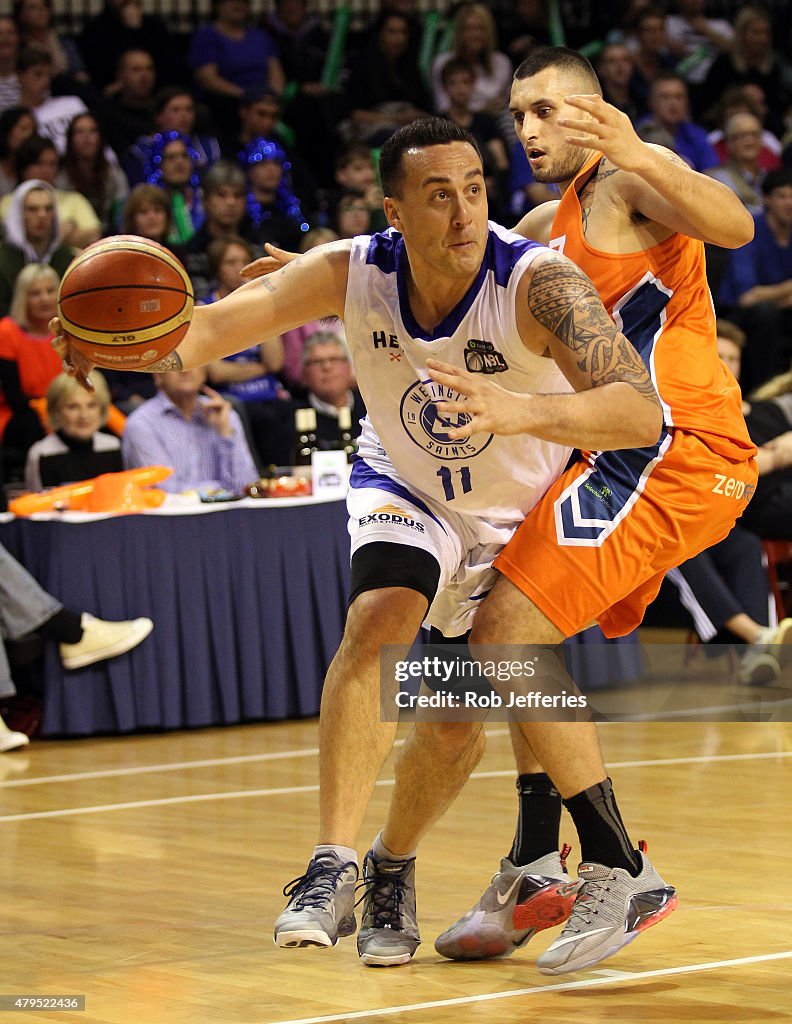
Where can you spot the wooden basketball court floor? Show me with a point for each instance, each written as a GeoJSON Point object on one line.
{"type": "Point", "coordinates": [145, 873]}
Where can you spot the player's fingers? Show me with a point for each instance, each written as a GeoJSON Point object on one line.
{"type": "Point", "coordinates": [211, 392]}
{"type": "Point", "coordinates": [579, 124]}
{"type": "Point", "coordinates": [452, 407]}
{"type": "Point", "coordinates": [586, 101]}
{"type": "Point", "coordinates": [259, 268]}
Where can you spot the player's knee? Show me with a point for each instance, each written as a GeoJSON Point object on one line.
{"type": "Point", "coordinates": [391, 615]}
{"type": "Point", "coordinates": [451, 740]}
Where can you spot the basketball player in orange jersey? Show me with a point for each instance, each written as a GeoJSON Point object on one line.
{"type": "Point", "coordinates": [634, 217]}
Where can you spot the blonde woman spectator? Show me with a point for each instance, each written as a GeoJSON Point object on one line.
{"type": "Point", "coordinates": [77, 449]}
{"type": "Point", "coordinates": [476, 41]}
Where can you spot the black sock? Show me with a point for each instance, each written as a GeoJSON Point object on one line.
{"type": "Point", "coordinates": [64, 627]}
{"type": "Point", "coordinates": [603, 837]}
{"type": "Point", "coordinates": [538, 819]}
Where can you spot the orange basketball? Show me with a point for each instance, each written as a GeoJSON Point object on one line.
{"type": "Point", "coordinates": [125, 302]}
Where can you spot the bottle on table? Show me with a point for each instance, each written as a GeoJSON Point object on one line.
{"type": "Point", "coordinates": [346, 441]}
{"type": "Point", "coordinates": [305, 426]}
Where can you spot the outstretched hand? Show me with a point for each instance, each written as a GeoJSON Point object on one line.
{"type": "Point", "coordinates": [274, 260]}
{"type": "Point", "coordinates": [74, 362]}
{"type": "Point", "coordinates": [607, 129]}
{"type": "Point", "coordinates": [490, 408]}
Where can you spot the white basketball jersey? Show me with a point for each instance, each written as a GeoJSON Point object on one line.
{"type": "Point", "coordinates": [497, 477]}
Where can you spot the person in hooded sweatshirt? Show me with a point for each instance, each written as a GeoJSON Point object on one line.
{"type": "Point", "coordinates": [32, 235]}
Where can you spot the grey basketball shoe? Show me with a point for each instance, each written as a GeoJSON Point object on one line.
{"type": "Point", "coordinates": [611, 909]}
{"type": "Point", "coordinates": [388, 929]}
{"type": "Point", "coordinates": [321, 907]}
{"type": "Point", "coordinates": [519, 902]}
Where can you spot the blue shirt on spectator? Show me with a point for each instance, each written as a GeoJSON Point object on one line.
{"type": "Point", "coordinates": [158, 434]}
{"type": "Point", "coordinates": [762, 261]}
{"type": "Point", "coordinates": [245, 62]}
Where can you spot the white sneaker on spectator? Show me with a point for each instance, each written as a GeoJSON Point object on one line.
{"type": "Point", "coordinates": [102, 640]}
{"type": "Point", "coordinates": [761, 664]}
{"type": "Point", "coordinates": [11, 740]}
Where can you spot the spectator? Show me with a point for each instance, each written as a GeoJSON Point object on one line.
{"type": "Point", "coordinates": [385, 88]}
{"type": "Point", "coordinates": [32, 236]}
{"type": "Point", "coordinates": [121, 27]}
{"type": "Point", "coordinates": [615, 71]}
{"type": "Point", "coordinates": [476, 41]}
{"type": "Point", "coordinates": [28, 364]}
{"type": "Point", "coordinates": [250, 378]}
{"type": "Point", "coordinates": [731, 342]}
{"type": "Point", "coordinates": [751, 61]}
{"type": "Point", "coordinates": [741, 172]}
{"type": "Point", "coordinates": [458, 78]}
{"type": "Point", "coordinates": [53, 114]}
{"type": "Point", "coordinates": [37, 159]}
{"type": "Point", "coordinates": [86, 169]}
{"type": "Point", "coordinates": [329, 386]}
{"type": "Point", "coordinates": [174, 111]}
{"type": "Point", "coordinates": [34, 23]}
{"type": "Point", "coordinates": [77, 449]}
{"type": "Point", "coordinates": [310, 109]}
{"type": "Point", "coordinates": [351, 216]}
{"type": "Point", "coordinates": [649, 46]}
{"type": "Point", "coordinates": [739, 100]}
{"type": "Point", "coordinates": [10, 90]}
{"type": "Point", "coordinates": [273, 208]}
{"type": "Point", "coordinates": [695, 39]}
{"type": "Point", "coordinates": [16, 125]}
{"type": "Point", "coordinates": [172, 169]}
{"type": "Point", "coordinates": [293, 341]}
{"type": "Point", "coordinates": [230, 56]}
{"type": "Point", "coordinates": [354, 172]}
{"type": "Point", "coordinates": [769, 420]}
{"type": "Point", "coordinates": [757, 284]}
{"type": "Point", "coordinates": [668, 106]}
{"type": "Point", "coordinates": [25, 608]}
{"type": "Point", "coordinates": [130, 109]}
{"type": "Point", "coordinates": [192, 429]}
{"type": "Point", "coordinates": [524, 29]}
{"type": "Point", "coordinates": [225, 201]}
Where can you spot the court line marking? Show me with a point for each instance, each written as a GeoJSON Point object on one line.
{"type": "Point", "coordinates": [610, 978]}
{"type": "Point", "coordinates": [173, 766]}
{"type": "Point", "coordinates": [293, 790]}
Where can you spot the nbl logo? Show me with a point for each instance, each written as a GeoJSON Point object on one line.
{"type": "Point", "coordinates": [483, 357]}
{"type": "Point", "coordinates": [430, 429]}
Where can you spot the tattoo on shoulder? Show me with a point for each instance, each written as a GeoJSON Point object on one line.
{"type": "Point", "coordinates": [567, 304]}
{"type": "Point", "coordinates": [170, 362]}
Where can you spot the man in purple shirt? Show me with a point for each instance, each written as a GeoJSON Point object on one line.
{"type": "Point", "coordinates": [669, 109]}
{"type": "Point", "coordinates": [757, 287]}
{"type": "Point", "coordinates": [192, 429]}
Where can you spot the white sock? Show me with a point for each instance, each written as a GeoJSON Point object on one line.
{"type": "Point", "coordinates": [344, 853]}
{"type": "Point", "coordinates": [381, 851]}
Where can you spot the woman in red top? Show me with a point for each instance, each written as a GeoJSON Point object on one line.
{"type": "Point", "coordinates": [27, 361]}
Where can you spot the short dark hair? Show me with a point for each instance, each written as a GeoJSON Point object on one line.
{"type": "Point", "coordinates": [426, 131]}
{"type": "Point", "coordinates": [32, 57]}
{"type": "Point", "coordinates": [780, 178]}
{"type": "Point", "coordinates": [558, 57]}
{"type": "Point", "coordinates": [223, 174]}
{"type": "Point", "coordinates": [456, 66]}
{"type": "Point", "coordinates": [163, 96]}
{"type": "Point", "coordinates": [30, 152]}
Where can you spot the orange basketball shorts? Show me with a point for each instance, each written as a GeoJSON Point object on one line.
{"type": "Point", "coordinates": [598, 544]}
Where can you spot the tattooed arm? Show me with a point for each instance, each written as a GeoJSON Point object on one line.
{"type": "Point", "coordinates": [560, 313]}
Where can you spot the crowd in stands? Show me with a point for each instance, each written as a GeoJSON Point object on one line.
{"type": "Point", "coordinates": [257, 129]}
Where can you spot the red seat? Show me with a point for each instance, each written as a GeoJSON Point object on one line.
{"type": "Point", "coordinates": [779, 552]}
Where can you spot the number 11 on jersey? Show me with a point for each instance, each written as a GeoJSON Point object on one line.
{"type": "Point", "coordinates": [446, 478]}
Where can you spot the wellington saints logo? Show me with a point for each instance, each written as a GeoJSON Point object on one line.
{"type": "Point", "coordinates": [429, 428]}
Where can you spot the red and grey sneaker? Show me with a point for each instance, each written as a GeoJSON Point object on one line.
{"type": "Point", "coordinates": [519, 902]}
{"type": "Point", "coordinates": [611, 909]}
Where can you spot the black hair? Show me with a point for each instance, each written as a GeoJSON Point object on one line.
{"type": "Point", "coordinates": [9, 119]}
{"type": "Point", "coordinates": [30, 152]}
{"type": "Point", "coordinates": [558, 57]}
{"type": "Point", "coordinates": [32, 57]}
{"type": "Point", "coordinates": [427, 131]}
{"type": "Point", "coordinates": [780, 178]}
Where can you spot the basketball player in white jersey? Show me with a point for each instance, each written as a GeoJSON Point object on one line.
{"type": "Point", "coordinates": [428, 512]}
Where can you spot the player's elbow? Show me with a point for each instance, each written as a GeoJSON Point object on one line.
{"type": "Point", "coordinates": [741, 229]}
{"type": "Point", "coordinates": [649, 424]}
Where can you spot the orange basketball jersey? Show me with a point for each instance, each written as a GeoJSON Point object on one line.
{"type": "Point", "coordinates": [659, 298]}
